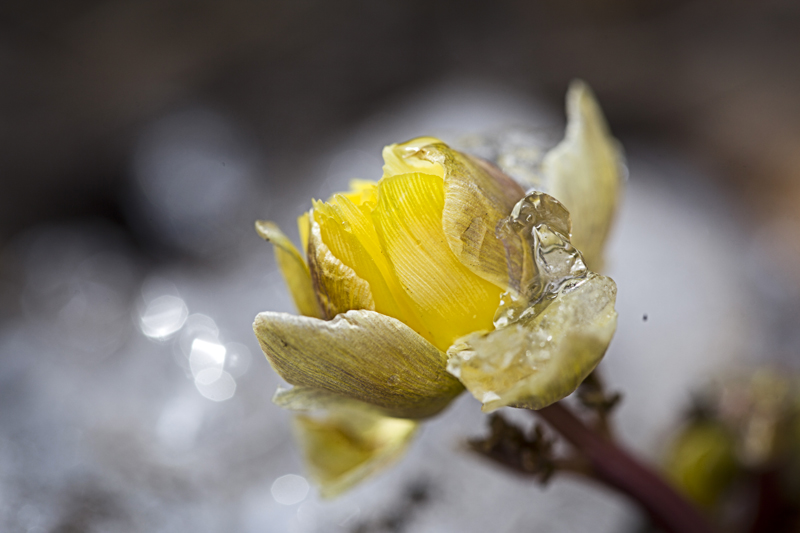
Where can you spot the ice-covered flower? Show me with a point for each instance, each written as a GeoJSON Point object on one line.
{"type": "Point", "coordinates": [442, 275]}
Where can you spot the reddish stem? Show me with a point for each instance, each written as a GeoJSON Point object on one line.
{"type": "Point", "coordinates": [619, 469]}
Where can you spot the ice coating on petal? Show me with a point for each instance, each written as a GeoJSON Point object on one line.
{"type": "Point", "coordinates": [544, 356]}
{"type": "Point", "coordinates": [554, 323]}
{"type": "Point", "coordinates": [345, 446]}
{"type": "Point", "coordinates": [585, 170]}
{"type": "Point", "coordinates": [539, 254]}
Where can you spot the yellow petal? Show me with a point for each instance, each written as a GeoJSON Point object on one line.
{"type": "Point", "coordinates": [346, 446]}
{"type": "Point", "coordinates": [348, 231]}
{"type": "Point", "coordinates": [477, 197]}
{"type": "Point", "coordinates": [447, 297]}
{"type": "Point", "coordinates": [337, 286]}
{"type": "Point", "coordinates": [542, 357]}
{"type": "Point", "coordinates": [585, 172]}
{"type": "Point", "coordinates": [293, 267]}
{"type": "Point", "coordinates": [362, 191]}
{"type": "Point", "coordinates": [361, 355]}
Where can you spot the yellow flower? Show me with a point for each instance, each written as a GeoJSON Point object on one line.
{"type": "Point", "coordinates": [702, 461]}
{"type": "Point", "coordinates": [443, 275]}
{"type": "Point", "coordinates": [748, 425]}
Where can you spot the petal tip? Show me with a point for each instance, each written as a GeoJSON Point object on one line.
{"type": "Point", "coordinates": [266, 229]}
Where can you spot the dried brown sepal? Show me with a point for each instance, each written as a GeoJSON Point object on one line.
{"type": "Point", "coordinates": [593, 395]}
{"type": "Point", "coordinates": [526, 453]}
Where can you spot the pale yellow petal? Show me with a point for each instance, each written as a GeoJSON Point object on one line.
{"type": "Point", "coordinates": [402, 158]}
{"type": "Point", "coordinates": [311, 399]}
{"type": "Point", "coordinates": [337, 286]}
{"type": "Point", "coordinates": [477, 197]}
{"type": "Point", "coordinates": [304, 228]}
{"type": "Point", "coordinates": [360, 355]}
{"type": "Point", "coordinates": [585, 172]}
{"type": "Point", "coordinates": [542, 358]}
{"type": "Point", "coordinates": [346, 446]}
{"type": "Point", "coordinates": [449, 299]}
{"type": "Point", "coordinates": [293, 267]}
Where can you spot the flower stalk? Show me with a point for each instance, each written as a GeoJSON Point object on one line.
{"type": "Point", "coordinates": [617, 468]}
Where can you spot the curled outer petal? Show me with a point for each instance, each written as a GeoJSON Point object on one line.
{"type": "Point", "coordinates": [477, 197]}
{"type": "Point", "coordinates": [293, 267]}
{"type": "Point", "coordinates": [337, 286]}
{"type": "Point", "coordinates": [347, 445]}
{"type": "Point", "coordinates": [543, 357]}
{"type": "Point", "coordinates": [361, 355]}
{"type": "Point", "coordinates": [585, 172]}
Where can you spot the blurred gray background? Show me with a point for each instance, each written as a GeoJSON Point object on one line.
{"type": "Point", "coordinates": [139, 140]}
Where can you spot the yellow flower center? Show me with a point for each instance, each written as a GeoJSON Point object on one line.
{"type": "Point", "coordinates": [390, 234]}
